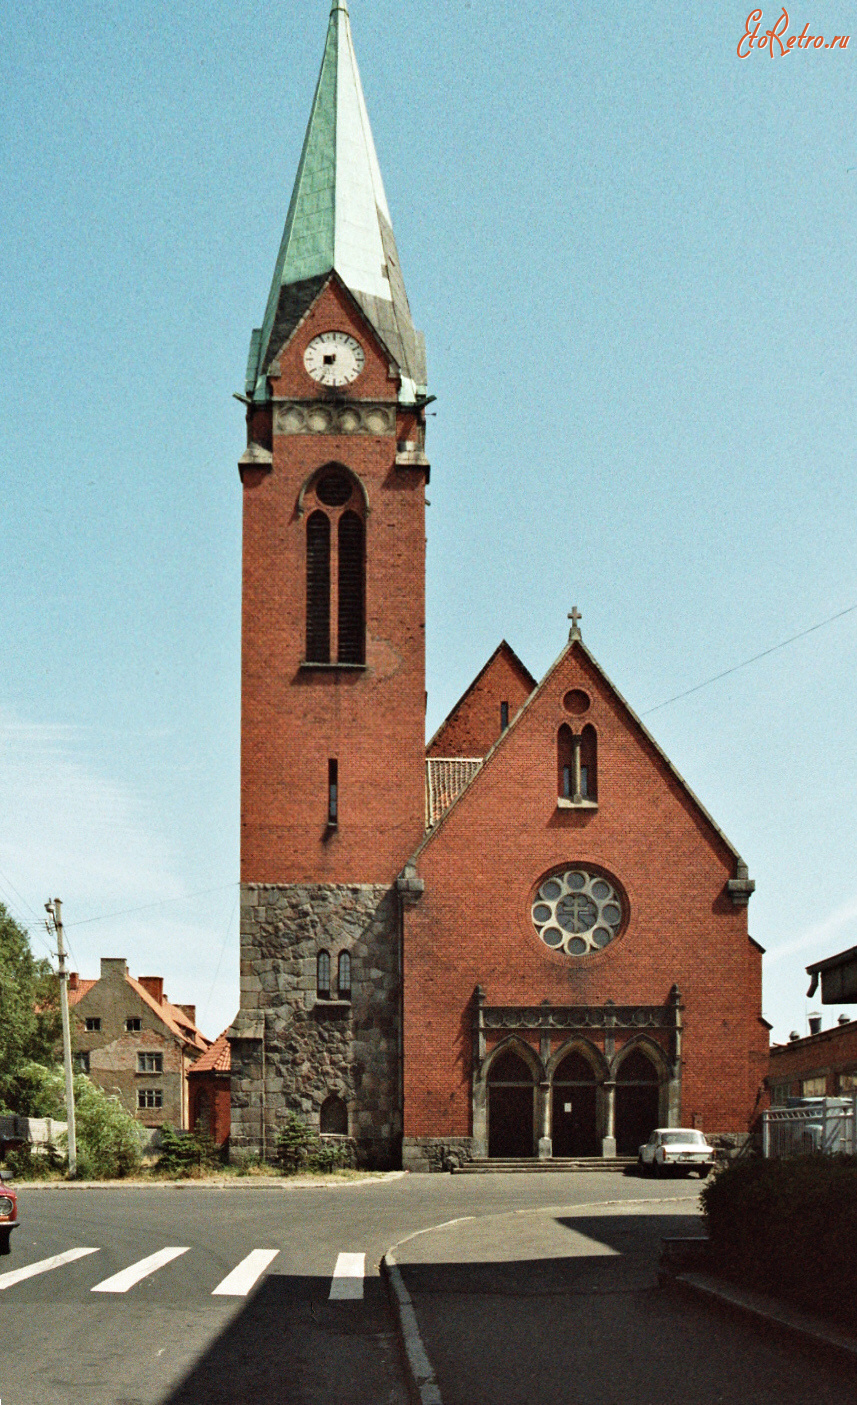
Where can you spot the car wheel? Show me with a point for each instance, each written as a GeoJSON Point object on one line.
{"type": "Point", "coordinates": [4, 1241]}
{"type": "Point", "coordinates": [642, 1168]}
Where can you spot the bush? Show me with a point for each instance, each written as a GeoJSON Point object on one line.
{"type": "Point", "coordinates": [109, 1140]}
{"type": "Point", "coordinates": [293, 1144]}
{"type": "Point", "coordinates": [28, 1163]}
{"type": "Point", "coordinates": [790, 1227]}
{"type": "Point", "coordinates": [186, 1154]}
{"type": "Point", "coordinates": [299, 1149]}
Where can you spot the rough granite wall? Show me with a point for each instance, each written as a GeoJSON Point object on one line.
{"type": "Point", "coordinates": [314, 1048]}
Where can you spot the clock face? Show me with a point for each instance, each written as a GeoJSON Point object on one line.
{"type": "Point", "coordinates": [334, 358]}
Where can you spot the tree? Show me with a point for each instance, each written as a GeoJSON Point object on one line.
{"type": "Point", "coordinates": [29, 1011]}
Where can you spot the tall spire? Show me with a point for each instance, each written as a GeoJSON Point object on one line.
{"type": "Point", "coordinates": [338, 220]}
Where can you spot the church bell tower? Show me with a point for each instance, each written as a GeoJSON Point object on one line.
{"type": "Point", "coordinates": [333, 647]}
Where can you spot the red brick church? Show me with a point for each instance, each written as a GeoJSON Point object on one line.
{"type": "Point", "coordinates": [527, 939]}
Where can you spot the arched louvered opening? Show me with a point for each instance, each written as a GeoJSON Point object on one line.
{"type": "Point", "coordinates": [322, 976]}
{"type": "Point", "coordinates": [343, 976]}
{"type": "Point", "coordinates": [318, 588]}
{"type": "Point", "coordinates": [351, 629]}
{"type": "Point", "coordinates": [333, 1117]}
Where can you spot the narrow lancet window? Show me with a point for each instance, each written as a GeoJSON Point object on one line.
{"type": "Point", "coordinates": [322, 976]}
{"type": "Point", "coordinates": [343, 981]}
{"type": "Point", "coordinates": [332, 793]}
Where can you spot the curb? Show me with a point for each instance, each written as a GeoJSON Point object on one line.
{"type": "Point", "coordinates": [422, 1383]}
{"type": "Point", "coordinates": [233, 1183]}
{"type": "Point", "coordinates": [764, 1310]}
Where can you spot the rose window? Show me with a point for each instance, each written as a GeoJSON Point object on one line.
{"type": "Point", "coordinates": [577, 912]}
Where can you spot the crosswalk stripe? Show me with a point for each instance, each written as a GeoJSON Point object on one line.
{"type": "Point", "coordinates": [121, 1282]}
{"type": "Point", "coordinates": [18, 1275]}
{"type": "Point", "coordinates": [238, 1283]}
{"type": "Point", "coordinates": [348, 1276]}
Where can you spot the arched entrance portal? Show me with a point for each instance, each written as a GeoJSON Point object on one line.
{"type": "Point", "coordinates": [637, 1102]}
{"type": "Point", "coordinates": [510, 1106]}
{"type": "Point", "coordinates": [573, 1121]}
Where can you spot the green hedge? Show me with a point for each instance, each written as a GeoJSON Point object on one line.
{"type": "Point", "coordinates": [789, 1227]}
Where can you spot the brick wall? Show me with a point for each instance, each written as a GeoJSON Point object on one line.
{"type": "Point", "coordinates": [295, 719]}
{"type": "Point", "coordinates": [473, 924]}
{"type": "Point", "coordinates": [826, 1056]}
{"type": "Point", "coordinates": [473, 726]}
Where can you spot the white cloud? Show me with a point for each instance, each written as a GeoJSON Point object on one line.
{"type": "Point", "coordinates": [832, 929]}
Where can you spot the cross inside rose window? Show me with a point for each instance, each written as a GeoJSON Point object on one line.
{"type": "Point", "coordinates": [577, 912]}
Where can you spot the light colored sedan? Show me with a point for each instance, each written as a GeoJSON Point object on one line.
{"type": "Point", "coordinates": [675, 1149]}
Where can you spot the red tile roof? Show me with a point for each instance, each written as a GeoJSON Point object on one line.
{"type": "Point", "coordinates": [175, 1019]}
{"type": "Point", "coordinates": [218, 1059]}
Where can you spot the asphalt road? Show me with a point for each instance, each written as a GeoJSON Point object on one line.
{"type": "Point", "coordinates": [270, 1296]}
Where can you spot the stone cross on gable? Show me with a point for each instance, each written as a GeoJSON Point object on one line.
{"type": "Point", "coordinates": [575, 617]}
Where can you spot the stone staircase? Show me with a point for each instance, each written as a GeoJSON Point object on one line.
{"type": "Point", "coordinates": [531, 1165]}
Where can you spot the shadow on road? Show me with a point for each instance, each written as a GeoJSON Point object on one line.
{"type": "Point", "coordinates": [288, 1344]}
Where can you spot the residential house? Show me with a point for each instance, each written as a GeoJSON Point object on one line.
{"type": "Point", "coordinates": [131, 1040]}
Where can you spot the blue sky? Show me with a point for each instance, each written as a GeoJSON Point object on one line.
{"type": "Point", "coordinates": [633, 257]}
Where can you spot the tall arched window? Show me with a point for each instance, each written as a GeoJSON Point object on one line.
{"type": "Point", "coordinates": [577, 764]}
{"type": "Point", "coordinates": [322, 976]}
{"type": "Point", "coordinates": [336, 570]}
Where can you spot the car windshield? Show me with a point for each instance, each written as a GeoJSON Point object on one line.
{"type": "Point", "coordinates": [670, 1138]}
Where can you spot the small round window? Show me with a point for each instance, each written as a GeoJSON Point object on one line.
{"type": "Point", "coordinates": [577, 912]}
{"type": "Point", "coordinates": [334, 489]}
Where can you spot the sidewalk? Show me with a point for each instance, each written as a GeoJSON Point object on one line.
{"type": "Point", "coordinates": [558, 1306]}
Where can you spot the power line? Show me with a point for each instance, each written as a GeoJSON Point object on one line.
{"type": "Point", "coordinates": [127, 912]}
{"type": "Point", "coordinates": [222, 950]}
{"type": "Point", "coordinates": [746, 662]}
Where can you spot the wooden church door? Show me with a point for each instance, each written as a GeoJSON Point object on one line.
{"type": "Point", "coordinates": [637, 1103]}
{"type": "Point", "coordinates": [573, 1122]}
{"type": "Point", "coordinates": [510, 1107]}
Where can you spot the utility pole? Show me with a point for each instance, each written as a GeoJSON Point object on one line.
{"type": "Point", "coordinates": [54, 910]}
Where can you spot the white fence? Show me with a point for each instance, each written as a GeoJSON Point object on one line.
{"type": "Point", "coordinates": [825, 1124]}
{"type": "Point", "coordinates": [38, 1131]}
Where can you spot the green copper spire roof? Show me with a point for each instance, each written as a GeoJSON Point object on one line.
{"type": "Point", "coordinates": [338, 221]}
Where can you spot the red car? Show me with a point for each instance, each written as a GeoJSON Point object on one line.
{"type": "Point", "coordinates": [8, 1214]}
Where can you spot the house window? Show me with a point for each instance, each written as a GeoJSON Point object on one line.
{"type": "Point", "coordinates": [814, 1087]}
{"type": "Point", "coordinates": [150, 1097]}
{"type": "Point", "coordinates": [81, 1063]}
{"type": "Point", "coordinates": [322, 976]}
{"type": "Point", "coordinates": [847, 1082]}
{"type": "Point", "coordinates": [150, 1063]}
{"type": "Point", "coordinates": [93, 1024]}
{"type": "Point", "coordinates": [336, 572]}
{"type": "Point", "coordinates": [343, 976]}
{"type": "Point", "coordinates": [133, 1024]}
